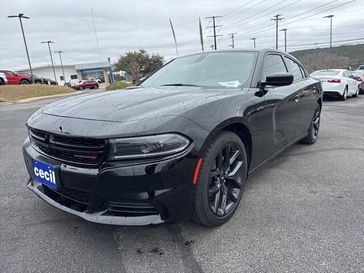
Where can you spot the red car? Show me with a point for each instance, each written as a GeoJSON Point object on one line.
{"type": "Point", "coordinates": [90, 84]}
{"type": "Point", "coordinates": [15, 78]}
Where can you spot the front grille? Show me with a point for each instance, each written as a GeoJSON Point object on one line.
{"type": "Point", "coordinates": [71, 149]}
{"type": "Point", "coordinates": [130, 208]}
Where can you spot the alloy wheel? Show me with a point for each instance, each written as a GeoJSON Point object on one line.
{"type": "Point", "coordinates": [316, 124]}
{"type": "Point", "coordinates": [226, 180]}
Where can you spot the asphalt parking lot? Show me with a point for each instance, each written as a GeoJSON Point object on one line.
{"type": "Point", "coordinates": [304, 212]}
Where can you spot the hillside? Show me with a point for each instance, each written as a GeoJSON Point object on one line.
{"type": "Point", "coordinates": [336, 57]}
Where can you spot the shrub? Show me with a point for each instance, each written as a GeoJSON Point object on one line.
{"type": "Point", "coordinates": [117, 85]}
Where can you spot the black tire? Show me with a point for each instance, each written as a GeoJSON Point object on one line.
{"type": "Point", "coordinates": [345, 94]}
{"type": "Point", "coordinates": [2, 82]}
{"type": "Point", "coordinates": [81, 88]}
{"type": "Point", "coordinates": [96, 86]}
{"type": "Point", "coordinates": [24, 81]}
{"type": "Point", "coordinates": [218, 191]}
{"type": "Point", "coordinates": [313, 130]}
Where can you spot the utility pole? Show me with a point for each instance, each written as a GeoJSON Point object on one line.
{"type": "Point", "coordinates": [21, 16]}
{"type": "Point", "coordinates": [60, 59]}
{"type": "Point", "coordinates": [232, 36]}
{"type": "Point", "coordinates": [254, 39]}
{"type": "Point", "coordinates": [285, 39]}
{"type": "Point", "coordinates": [330, 17]}
{"type": "Point", "coordinates": [214, 26]}
{"type": "Point", "coordinates": [277, 18]}
{"type": "Point", "coordinates": [50, 54]}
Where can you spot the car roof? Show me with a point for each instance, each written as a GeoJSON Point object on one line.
{"type": "Point", "coordinates": [339, 70]}
{"type": "Point", "coordinates": [263, 51]}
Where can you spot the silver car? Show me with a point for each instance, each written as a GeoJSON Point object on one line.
{"type": "Point", "coordinates": [3, 79]}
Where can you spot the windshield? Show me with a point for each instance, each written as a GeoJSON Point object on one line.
{"type": "Point", "coordinates": [357, 73]}
{"type": "Point", "coordinates": [325, 73]}
{"type": "Point", "coordinates": [221, 69]}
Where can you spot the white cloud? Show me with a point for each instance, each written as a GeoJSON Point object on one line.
{"type": "Point", "coordinates": [130, 25]}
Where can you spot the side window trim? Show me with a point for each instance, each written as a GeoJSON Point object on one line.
{"type": "Point", "coordinates": [299, 67]}
{"type": "Point", "coordinates": [265, 59]}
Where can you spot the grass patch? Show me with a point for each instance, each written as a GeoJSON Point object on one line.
{"type": "Point", "coordinates": [117, 85]}
{"type": "Point", "coordinates": [18, 92]}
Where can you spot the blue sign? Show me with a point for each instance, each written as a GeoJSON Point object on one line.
{"type": "Point", "coordinates": [45, 174]}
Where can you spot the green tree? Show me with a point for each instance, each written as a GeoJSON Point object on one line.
{"type": "Point", "coordinates": [138, 64]}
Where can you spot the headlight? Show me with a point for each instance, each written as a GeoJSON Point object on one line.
{"type": "Point", "coordinates": [147, 146]}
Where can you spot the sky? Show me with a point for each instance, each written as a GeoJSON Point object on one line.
{"type": "Point", "coordinates": [124, 25]}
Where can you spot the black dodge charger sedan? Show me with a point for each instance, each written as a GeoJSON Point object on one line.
{"type": "Point", "coordinates": [180, 145]}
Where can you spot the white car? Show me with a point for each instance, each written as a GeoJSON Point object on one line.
{"type": "Point", "coordinates": [3, 79]}
{"type": "Point", "coordinates": [359, 75]}
{"type": "Point", "coordinates": [337, 82]}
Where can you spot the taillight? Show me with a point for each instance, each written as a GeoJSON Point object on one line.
{"type": "Point", "coordinates": [334, 81]}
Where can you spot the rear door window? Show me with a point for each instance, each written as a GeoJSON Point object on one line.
{"type": "Point", "coordinates": [294, 68]}
{"type": "Point", "coordinates": [273, 63]}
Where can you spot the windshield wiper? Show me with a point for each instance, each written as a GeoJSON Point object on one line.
{"type": "Point", "coordinates": [180, 84]}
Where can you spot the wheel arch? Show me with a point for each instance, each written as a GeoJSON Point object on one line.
{"type": "Point", "coordinates": [24, 79]}
{"type": "Point", "coordinates": [235, 125]}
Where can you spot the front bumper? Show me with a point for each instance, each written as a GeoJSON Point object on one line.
{"type": "Point", "coordinates": [119, 193]}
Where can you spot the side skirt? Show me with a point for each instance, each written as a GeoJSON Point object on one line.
{"type": "Point", "coordinates": [253, 171]}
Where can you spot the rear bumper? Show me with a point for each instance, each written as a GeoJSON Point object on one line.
{"type": "Point", "coordinates": [333, 88]}
{"type": "Point", "coordinates": [333, 93]}
{"type": "Point", "coordinates": [119, 193]}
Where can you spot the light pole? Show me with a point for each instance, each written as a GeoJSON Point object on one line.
{"type": "Point", "coordinates": [285, 39]}
{"type": "Point", "coordinates": [232, 35]}
{"type": "Point", "coordinates": [50, 54]}
{"type": "Point", "coordinates": [330, 17]}
{"type": "Point", "coordinates": [254, 39]}
{"type": "Point", "coordinates": [277, 18]}
{"type": "Point", "coordinates": [21, 16]}
{"type": "Point", "coordinates": [60, 59]}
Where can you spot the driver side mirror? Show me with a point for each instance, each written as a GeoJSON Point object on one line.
{"type": "Point", "coordinates": [278, 79]}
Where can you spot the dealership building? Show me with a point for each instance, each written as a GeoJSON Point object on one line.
{"type": "Point", "coordinates": [100, 70]}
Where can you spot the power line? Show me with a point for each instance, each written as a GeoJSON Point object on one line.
{"type": "Point", "coordinates": [240, 22]}
{"type": "Point", "coordinates": [246, 10]}
{"type": "Point", "coordinates": [226, 15]}
{"type": "Point", "coordinates": [264, 29]}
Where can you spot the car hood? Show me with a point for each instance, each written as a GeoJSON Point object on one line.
{"type": "Point", "coordinates": [135, 104]}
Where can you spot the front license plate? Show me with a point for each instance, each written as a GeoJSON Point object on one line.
{"type": "Point", "coordinates": [45, 174]}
